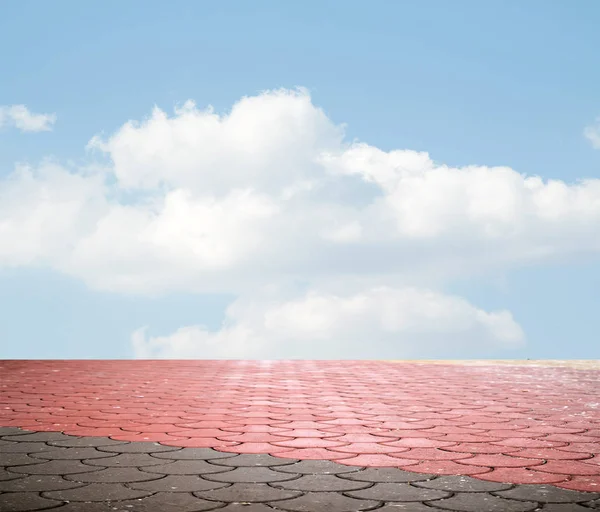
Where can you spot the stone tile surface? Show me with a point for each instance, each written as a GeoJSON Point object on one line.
{"type": "Point", "coordinates": [297, 435]}
{"type": "Point", "coordinates": [145, 479]}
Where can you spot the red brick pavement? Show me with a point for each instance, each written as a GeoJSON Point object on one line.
{"type": "Point", "coordinates": [514, 424]}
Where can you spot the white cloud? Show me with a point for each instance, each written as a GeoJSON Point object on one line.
{"type": "Point", "coordinates": [25, 120]}
{"type": "Point", "coordinates": [271, 192]}
{"type": "Point", "coordinates": [44, 213]}
{"type": "Point", "coordinates": [379, 322]}
{"type": "Point", "coordinates": [592, 133]}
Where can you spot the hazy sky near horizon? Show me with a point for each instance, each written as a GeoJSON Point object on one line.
{"type": "Point", "coordinates": [300, 180]}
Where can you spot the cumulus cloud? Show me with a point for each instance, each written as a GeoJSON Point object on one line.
{"type": "Point", "coordinates": [45, 211]}
{"type": "Point", "coordinates": [23, 119]}
{"type": "Point", "coordinates": [379, 322]}
{"type": "Point", "coordinates": [592, 133]}
{"type": "Point", "coordinates": [272, 191]}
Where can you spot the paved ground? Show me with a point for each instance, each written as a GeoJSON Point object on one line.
{"type": "Point", "coordinates": [298, 435]}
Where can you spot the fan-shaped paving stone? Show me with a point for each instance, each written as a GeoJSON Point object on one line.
{"type": "Point", "coordinates": [483, 502]}
{"type": "Point", "coordinates": [8, 475]}
{"type": "Point", "coordinates": [320, 467]}
{"type": "Point", "coordinates": [326, 501]}
{"type": "Point", "coordinates": [178, 483]}
{"type": "Point", "coordinates": [134, 460]}
{"type": "Point", "coordinates": [562, 507]}
{"type": "Point", "coordinates": [252, 493]}
{"type": "Point", "coordinates": [18, 459]}
{"type": "Point", "coordinates": [407, 507]}
{"type": "Point", "coordinates": [97, 492]}
{"type": "Point", "coordinates": [547, 494]}
{"type": "Point", "coordinates": [75, 442]}
{"type": "Point", "coordinates": [113, 475]}
{"type": "Point", "coordinates": [26, 447]}
{"type": "Point", "coordinates": [593, 504]}
{"type": "Point", "coordinates": [159, 502]}
{"type": "Point", "coordinates": [314, 483]}
{"type": "Point", "coordinates": [462, 484]}
{"type": "Point", "coordinates": [386, 475]}
{"type": "Point", "coordinates": [186, 467]}
{"type": "Point", "coordinates": [37, 483]}
{"type": "Point", "coordinates": [252, 507]}
{"type": "Point", "coordinates": [37, 436]}
{"type": "Point", "coordinates": [138, 447]}
{"type": "Point", "coordinates": [55, 467]}
{"type": "Point", "coordinates": [194, 454]}
{"type": "Point", "coordinates": [25, 501]}
{"type": "Point", "coordinates": [253, 459]}
{"type": "Point", "coordinates": [398, 492]}
{"type": "Point", "coordinates": [8, 431]}
{"type": "Point", "coordinates": [75, 453]}
{"type": "Point", "coordinates": [251, 475]}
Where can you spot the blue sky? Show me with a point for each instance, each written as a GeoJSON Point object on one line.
{"type": "Point", "coordinates": [498, 83]}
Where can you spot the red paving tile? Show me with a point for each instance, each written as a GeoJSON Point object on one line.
{"type": "Point", "coordinates": [581, 483]}
{"type": "Point", "coordinates": [570, 467]}
{"type": "Point", "coordinates": [551, 454]}
{"type": "Point", "coordinates": [522, 476]}
{"type": "Point", "coordinates": [499, 460]}
{"type": "Point", "coordinates": [251, 447]}
{"type": "Point", "coordinates": [448, 467]}
{"type": "Point", "coordinates": [499, 423]}
{"type": "Point", "coordinates": [480, 448]}
{"type": "Point", "coordinates": [308, 442]}
{"type": "Point", "coordinates": [304, 453]}
{"type": "Point", "coordinates": [360, 448]}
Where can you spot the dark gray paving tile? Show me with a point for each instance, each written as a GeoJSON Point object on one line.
{"type": "Point", "coordinates": [25, 447]}
{"type": "Point", "coordinates": [64, 453]}
{"type": "Point", "coordinates": [483, 502]}
{"type": "Point", "coordinates": [462, 484]}
{"type": "Point", "coordinates": [398, 492]}
{"type": "Point", "coordinates": [194, 454]}
{"type": "Point", "coordinates": [314, 483]}
{"type": "Point", "coordinates": [178, 483]}
{"type": "Point", "coordinates": [593, 504]}
{"type": "Point", "coordinates": [97, 492]}
{"type": "Point", "coordinates": [253, 493]}
{"type": "Point", "coordinates": [134, 460]}
{"type": "Point", "coordinates": [186, 467]}
{"type": "Point", "coordinates": [250, 475]}
{"type": "Point", "coordinates": [75, 442]}
{"type": "Point", "coordinates": [317, 467]}
{"type": "Point", "coordinates": [138, 447]}
{"type": "Point", "coordinates": [254, 459]}
{"type": "Point", "coordinates": [326, 501]}
{"type": "Point", "coordinates": [17, 459]}
{"type": "Point", "coordinates": [37, 483]}
{"type": "Point", "coordinates": [159, 502]}
{"type": "Point", "coordinates": [113, 475]}
{"type": "Point", "coordinates": [412, 506]}
{"type": "Point", "coordinates": [37, 436]}
{"type": "Point", "coordinates": [8, 475]}
{"type": "Point", "coordinates": [55, 467]}
{"type": "Point", "coordinates": [564, 507]}
{"type": "Point", "coordinates": [11, 431]}
{"type": "Point", "coordinates": [385, 475]}
{"type": "Point", "coordinates": [252, 507]}
{"type": "Point", "coordinates": [547, 494]}
{"type": "Point", "coordinates": [25, 501]}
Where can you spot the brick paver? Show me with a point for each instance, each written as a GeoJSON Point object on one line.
{"type": "Point", "coordinates": [298, 435]}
